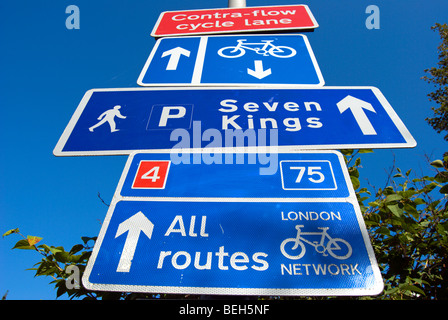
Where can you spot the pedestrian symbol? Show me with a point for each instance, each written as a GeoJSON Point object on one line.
{"type": "Point", "coordinates": [108, 116]}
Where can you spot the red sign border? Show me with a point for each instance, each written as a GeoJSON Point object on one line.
{"type": "Point", "coordinates": [307, 9]}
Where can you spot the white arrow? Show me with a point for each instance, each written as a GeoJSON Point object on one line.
{"type": "Point", "coordinates": [259, 73]}
{"type": "Point", "coordinates": [356, 106]}
{"type": "Point", "coordinates": [175, 56]}
{"type": "Point", "coordinates": [138, 222]}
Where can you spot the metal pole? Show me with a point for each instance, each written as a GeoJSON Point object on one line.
{"type": "Point", "coordinates": [237, 3]}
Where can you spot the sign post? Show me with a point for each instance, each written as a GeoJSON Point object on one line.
{"type": "Point", "coordinates": [202, 206]}
{"type": "Point", "coordinates": [296, 231]}
{"type": "Point", "coordinates": [237, 3]}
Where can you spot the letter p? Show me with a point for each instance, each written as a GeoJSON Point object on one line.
{"type": "Point", "coordinates": [169, 117]}
{"type": "Point", "coordinates": [171, 112]}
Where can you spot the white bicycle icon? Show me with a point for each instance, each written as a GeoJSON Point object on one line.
{"type": "Point", "coordinates": [336, 247]}
{"type": "Point", "coordinates": [264, 48]}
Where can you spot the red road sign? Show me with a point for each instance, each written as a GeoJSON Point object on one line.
{"type": "Point", "coordinates": [234, 20]}
{"type": "Point", "coordinates": [151, 175]}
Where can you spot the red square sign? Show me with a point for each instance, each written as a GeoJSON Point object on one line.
{"type": "Point", "coordinates": [151, 174]}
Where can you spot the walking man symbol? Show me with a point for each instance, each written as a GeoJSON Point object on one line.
{"type": "Point", "coordinates": [108, 116]}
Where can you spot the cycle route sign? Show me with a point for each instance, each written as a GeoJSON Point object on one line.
{"type": "Point", "coordinates": [121, 121]}
{"type": "Point", "coordinates": [232, 60]}
{"type": "Point", "coordinates": [245, 224]}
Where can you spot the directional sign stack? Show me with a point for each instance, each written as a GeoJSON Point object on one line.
{"type": "Point", "coordinates": [222, 193]}
{"type": "Point", "coordinates": [181, 227]}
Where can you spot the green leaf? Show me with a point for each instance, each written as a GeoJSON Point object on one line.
{"type": "Point", "coordinates": [32, 240]}
{"type": "Point", "coordinates": [388, 191]}
{"type": "Point", "coordinates": [7, 233]}
{"type": "Point", "coordinates": [366, 151]}
{"type": "Point", "coordinates": [85, 256]}
{"type": "Point", "coordinates": [373, 204]}
{"type": "Point", "coordinates": [61, 288]}
{"type": "Point", "coordinates": [87, 239]}
{"type": "Point", "coordinates": [355, 182]}
{"type": "Point", "coordinates": [442, 177]}
{"type": "Point", "coordinates": [444, 189]}
{"type": "Point", "coordinates": [396, 210]}
{"type": "Point", "coordinates": [46, 270]}
{"type": "Point", "coordinates": [411, 210]}
{"type": "Point", "coordinates": [411, 288]}
{"type": "Point", "coordinates": [52, 249]}
{"type": "Point", "coordinates": [429, 187]}
{"type": "Point", "coordinates": [74, 258]}
{"type": "Point", "coordinates": [353, 172]}
{"type": "Point", "coordinates": [393, 197]}
{"type": "Point", "coordinates": [391, 291]}
{"type": "Point", "coordinates": [62, 256]}
{"type": "Point", "coordinates": [23, 244]}
{"type": "Point", "coordinates": [347, 152]}
{"type": "Point", "coordinates": [418, 201]}
{"type": "Point", "coordinates": [383, 230]}
{"type": "Point", "coordinates": [45, 247]}
{"type": "Point", "coordinates": [408, 193]}
{"type": "Point", "coordinates": [76, 248]}
{"type": "Point", "coordinates": [437, 163]}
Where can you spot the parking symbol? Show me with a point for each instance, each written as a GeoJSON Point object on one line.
{"type": "Point", "coordinates": [170, 117]}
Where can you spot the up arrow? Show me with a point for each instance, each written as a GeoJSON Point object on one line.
{"type": "Point", "coordinates": [259, 73]}
{"type": "Point", "coordinates": [138, 222]}
{"type": "Point", "coordinates": [356, 106]}
{"type": "Point", "coordinates": [174, 57]}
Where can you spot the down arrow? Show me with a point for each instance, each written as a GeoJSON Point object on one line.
{"type": "Point", "coordinates": [259, 73]}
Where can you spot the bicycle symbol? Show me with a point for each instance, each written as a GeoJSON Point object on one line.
{"type": "Point", "coordinates": [336, 247]}
{"type": "Point", "coordinates": [264, 48]}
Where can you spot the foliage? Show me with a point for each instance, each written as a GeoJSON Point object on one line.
{"type": "Point", "coordinates": [408, 225]}
{"type": "Point", "coordinates": [439, 77]}
{"type": "Point", "coordinates": [55, 261]}
{"type": "Point", "coordinates": [407, 222]}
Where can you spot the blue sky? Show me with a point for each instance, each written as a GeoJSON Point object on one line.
{"type": "Point", "coordinates": [46, 69]}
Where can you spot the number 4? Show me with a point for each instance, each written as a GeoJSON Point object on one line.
{"type": "Point", "coordinates": [152, 174]}
{"type": "Point", "coordinates": [312, 171]}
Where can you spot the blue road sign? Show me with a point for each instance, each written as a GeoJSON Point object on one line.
{"type": "Point", "coordinates": [252, 176]}
{"type": "Point", "coordinates": [187, 233]}
{"type": "Point", "coordinates": [120, 121]}
{"type": "Point", "coordinates": [232, 60]}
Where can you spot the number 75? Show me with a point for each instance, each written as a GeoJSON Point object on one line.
{"type": "Point", "coordinates": [313, 173]}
